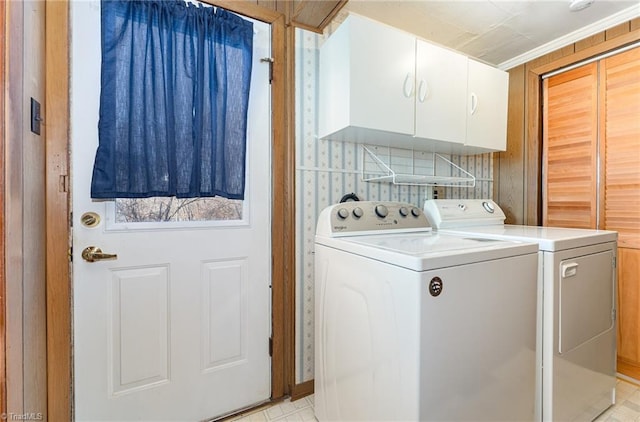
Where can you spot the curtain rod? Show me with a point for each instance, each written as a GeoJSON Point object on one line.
{"type": "Point", "coordinates": [591, 60]}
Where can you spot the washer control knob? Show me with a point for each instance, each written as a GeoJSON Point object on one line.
{"type": "Point", "coordinates": [415, 212]}
{"type": "Point", "coordinates": [343, 213]}
{"type": "Point", "coordinates": [357, 212]}
{"type": "Point", "coordinates": [403, 211]}
{"type": "Point", "coordinates": [488, 206]}
{"type": "Point", "coordinates": [381, 211]}
{"type": "Point", "coordinates": [463, 207]}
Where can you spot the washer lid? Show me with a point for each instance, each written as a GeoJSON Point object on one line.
{"type": "Point", "coordinates": [427, 251]}
{"type": "Point", "coordinates": [548, 238]}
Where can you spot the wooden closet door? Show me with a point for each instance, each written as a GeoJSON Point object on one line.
{"type": "Point", "coordinates": [620, 122]}
{"type": "Point", "coordinates": [570, 148]}
{"type": "Point", "coordinates": [620, 86]}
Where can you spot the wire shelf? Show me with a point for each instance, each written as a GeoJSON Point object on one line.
{"type": "Point", "coordinates": [409, 167]}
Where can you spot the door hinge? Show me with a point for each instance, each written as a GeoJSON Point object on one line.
{"type": "Point", "coordinates": [70, 252]}
{"type": "Point", "coordinates": [270, 61]}
{"type": "Point", "coordinates": [614, 315]}
{"type": "Point", "coordinates": [271, 346]}
{"type": "Point", "coordinates": [615, 262]}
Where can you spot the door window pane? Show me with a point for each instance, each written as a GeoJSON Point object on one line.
{"type": "Point", "coordinates": [163, 209]}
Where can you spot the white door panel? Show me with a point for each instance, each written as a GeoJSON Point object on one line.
{"type": "Point", "coordinates": [177, 327]}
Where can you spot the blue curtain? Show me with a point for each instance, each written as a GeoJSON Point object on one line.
{"type": "Point", "coordinates": [173, 102]}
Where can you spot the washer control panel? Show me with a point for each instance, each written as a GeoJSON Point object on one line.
{"type": "Point", "coordinates": [369, 217]}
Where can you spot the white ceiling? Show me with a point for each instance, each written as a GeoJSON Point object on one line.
{"type": "Point", "coordinates": [499, 32]}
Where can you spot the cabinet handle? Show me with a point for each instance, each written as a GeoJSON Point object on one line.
{"type": "Point", "coordinates": [473, 104]}
{"type": "Point", "coordinates": [407, 87]}
{"type": "Point", "coordinates": [423, 90]}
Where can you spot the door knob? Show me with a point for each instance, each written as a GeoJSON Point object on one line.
{"type": "Point", "coordinates": [93, 253]}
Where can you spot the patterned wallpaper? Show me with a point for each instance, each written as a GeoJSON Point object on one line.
{"type": "Point", "coordinates": [325, 171]}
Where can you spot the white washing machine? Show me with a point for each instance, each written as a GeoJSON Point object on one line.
{"type": "Point", "coordinates": [577, 306]}
{"type": "Point", "coordinates": [415, 325]}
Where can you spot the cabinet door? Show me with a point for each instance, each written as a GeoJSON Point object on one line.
{"type": "Point", "coordinates": [441, 93]}
{"type": "Point", "coordinates": [488, 90]}
{"type": "Point", "coordinates": [369, 77]}
{"type": "Point", "coordinates": [382, 77]}
{"type": "Point", "coordinates": [367, 80]}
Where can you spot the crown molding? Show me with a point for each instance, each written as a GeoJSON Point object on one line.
{"type": "Point", "coordinates": [580, 34]}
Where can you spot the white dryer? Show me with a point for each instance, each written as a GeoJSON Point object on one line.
{"type": "Point", "coordinates": [577, 305]}
{"type": "Point", "coordinates": [415, 325]}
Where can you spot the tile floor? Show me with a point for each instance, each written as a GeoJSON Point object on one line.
{"type": "Point", "coordinates": [299, 410]}
{"type": "Point", "coordinates": [626, 409]}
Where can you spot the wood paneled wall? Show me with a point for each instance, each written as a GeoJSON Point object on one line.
{"type": "Point", "coordinates": [22, 190]}
{"type": "Point", "coordinates": [509, 166]}
{"type": "Point", "coordinates": [3, 331]}
{"type": "Point", "coordinates": [518, 171]}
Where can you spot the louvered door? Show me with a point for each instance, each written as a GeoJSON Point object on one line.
{"type": "Point", "coordinates": [620, 188]}
{"type": "Point", "coordinates": [570, 148]}
{"type": "Point", "coordinates": [620, 86]}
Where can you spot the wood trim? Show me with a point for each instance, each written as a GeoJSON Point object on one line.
{"type": "Point", "coordinates": [327, 20]}
{"type": "Point", "coordinates": [247, 8]}
{"type": "Point", "coordinates": [279, 376]}
{"type": "Point", "coordinates": [290, 211]}
{"type": "Point", "coordinates": [600, 165]}
{"type": "Point", "coordinates": [629, 369]}
{"type": "Point", "coordinates": [59, 340]}
{"type": "Point", "coordinates": [318, 28]}
{"type": "Point", "coordinates": [302, 390]}
{"type": "Point", "coordinates": [533, 158]}
{"type": "Point", "coordinates": [3, 285]}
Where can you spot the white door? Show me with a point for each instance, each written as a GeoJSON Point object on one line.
{"type": "Point", "coordinates": [177, 327]}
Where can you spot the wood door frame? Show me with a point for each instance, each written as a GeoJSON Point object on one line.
{"type": "Point", "coordinates": [59, 285]}
{"type": "Point", "coordinates": [3, 331]}
{"type": "Point", "coordinates": [533, 114]}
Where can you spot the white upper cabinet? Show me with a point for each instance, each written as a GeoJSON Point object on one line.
{"type": "Point", "coordinates": [488, 97]}
{"type": "Point", "coordinates": [380, 85]}
{"type": "Point", "coordinates": [441, 93]}
{"type": "Point", "coordinates": [367, 80]}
